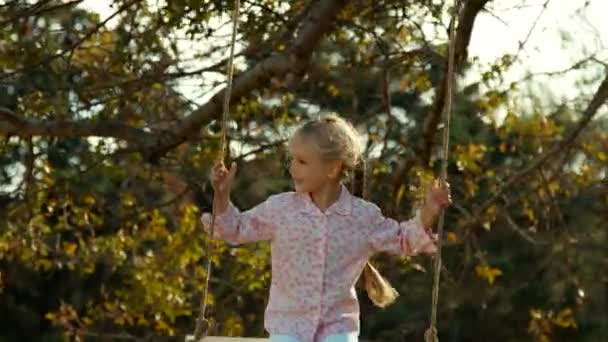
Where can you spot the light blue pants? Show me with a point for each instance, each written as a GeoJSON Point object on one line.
{"type": "Point", "coordinates": [332, 338]}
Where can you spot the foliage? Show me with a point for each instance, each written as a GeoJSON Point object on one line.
{"type": "Point", "coordinates": [100, 239]}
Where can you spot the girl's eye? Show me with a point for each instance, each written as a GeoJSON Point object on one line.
{"type": "Point", "coordinates": [291, 159]}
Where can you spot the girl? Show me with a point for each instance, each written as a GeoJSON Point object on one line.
{"type": "Point", "coordinates": [322, 236]}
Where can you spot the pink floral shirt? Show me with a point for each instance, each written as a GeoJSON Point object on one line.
{"type": "Point", "coordinates": [318, 256]}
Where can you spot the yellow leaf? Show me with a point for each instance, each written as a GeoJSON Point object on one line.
{"type": "Point", "coordinates": [253, 105]}
{"type": "Point", "coordinates": [404, 84]}
{"type": "Point", "coordinates": [106, 37]}
{"type": "Point", "coordinates": [128, 199]}
{"type": "Point", "coordinates": [404, 34]}
{"type": "Point", "coordinates": [400, 194]}
{"type": "Point", "coordinates": [162, 326]}
{"type": "Point", "coordinates": [89, 269]}
{"type": "Point", "coordinates": [530, 213]}
{"type": "Point", "coordinates": [553, 187]}
{"type": "Point", "coordinates": [89, 199]}
{"type": "Point", "coordinates": [488, 273]}
{"type": "Point", "coordinates": [471, 187]}
{"type": "Point", "coordinates": [69, 248]}
{"type": "Point", "coordinates": [141, 320]}
{"type": "Point", "coordinates": [50, 316]}
{"type": "Point", "coordinates": [333, 90]}
{"type": "Point", "coordinates": [494, 100]}
{"type": "Point", "coordinates": [602, 156]}
{"type": "Point", "coordinates": [565, 319]}
{"type": "Point", "coordinates": [422, 83]}
{"type": "Point", "coordinates": [45, 264]}
{"type": "Point", "coordinates": [535, 313]}
{"type": "Point", "coordinates": [46, 167]}
{"type": "Point", "coordinates": [452, 236]}
{"type": "Point", "coordinates": [491, 210]}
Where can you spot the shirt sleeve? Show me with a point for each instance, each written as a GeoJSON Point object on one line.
{"type": "Point", "coordinates": [236, 227]}
{"type": "Point", "coordinates": [401, 238]}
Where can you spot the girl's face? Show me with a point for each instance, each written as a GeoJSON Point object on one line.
{"type": "Point", "coordinates": [309, 171]}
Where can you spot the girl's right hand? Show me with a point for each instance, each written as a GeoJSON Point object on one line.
{"type": "Point", "coordinates": [221, 178]}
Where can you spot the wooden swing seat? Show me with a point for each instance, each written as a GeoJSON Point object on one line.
{"type": "Point", "coordinates": [190, 338]}
{"type": "Point", "coordinates": [233, 339]}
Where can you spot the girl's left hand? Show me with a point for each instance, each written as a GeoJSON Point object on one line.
{"type": "Point", "coordinates": [438, 195]}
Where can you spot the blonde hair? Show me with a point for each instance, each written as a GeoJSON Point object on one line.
{"type": "Point", "coordinates": [337, 139]}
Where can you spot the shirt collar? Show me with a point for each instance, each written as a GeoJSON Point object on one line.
{"type": "Point", "coordinates": [343, 206]}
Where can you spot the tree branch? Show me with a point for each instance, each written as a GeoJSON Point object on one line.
{"type": "Point", "coordinates": [519, 230]}
{"type": "Point", "coordinates": [318, 20]}
{"type": "Point", "coordinates": [466, 20]}
{"type": "Point", "coordinates": [73, 46]}
{"type": "Point", "coordinates": [11, 119]}
{"type": "Point", "coordinates": [39, 8]}
{"type": "Point", "coordinates": [13, 124]}
{"type": "Point", "coordinates": [294, 62]}
{"type": "Point", "coordinates": [599, 98]}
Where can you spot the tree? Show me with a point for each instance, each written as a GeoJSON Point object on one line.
{"type": "Point", "coordinates": [104, 143]}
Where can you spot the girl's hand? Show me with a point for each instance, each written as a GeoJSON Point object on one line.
{"type": "Point", "coordinates": [437, 198]}
{"type": "Point", "coordinates": [438, 195]}
{"type": "Point", "coordinates": [221, 179]}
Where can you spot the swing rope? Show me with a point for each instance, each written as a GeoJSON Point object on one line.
{"type": "Point", "coordinates": [203, 325]}
{"type": "Point", "coordinates": [431, 333]}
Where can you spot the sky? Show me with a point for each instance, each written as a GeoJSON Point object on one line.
{"type": "Point", "coordinates": [545, 50]}
{"type": "Point", "coordinates": [509, 22]}
{"type": "Point", "coordinates": [500, 31]}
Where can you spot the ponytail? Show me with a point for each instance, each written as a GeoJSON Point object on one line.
{"type": "Point", "coordinates": [378, 289]}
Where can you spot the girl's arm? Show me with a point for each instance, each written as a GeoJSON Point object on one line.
{"type": "Point", "coordinates": [401, 238]}
{"type": "Point", "coordinates": [236, 227]}
{"type": "Point", "coordinates": [413, 236]}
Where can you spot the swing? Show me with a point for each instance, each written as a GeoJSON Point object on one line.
{"type": "Point", "coordinates": [203, 325]}
{"type": "Point", "coordinates": [430, 334]}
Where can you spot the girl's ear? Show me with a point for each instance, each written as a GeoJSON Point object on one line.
{"type": "Point", "coordinates": [335, 169]}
